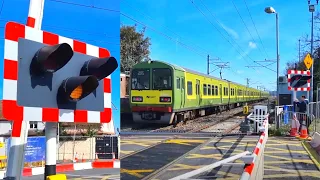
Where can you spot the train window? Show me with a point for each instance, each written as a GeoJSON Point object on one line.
{"type": "Point", "coordinates": [204, 89]}
{"type": "Point", "coordinates": [216, 90]}
{"type": "Point", "coordinates": [178, 83]}
{"type": "Point", "coordinates": [224, 91]}
{"type": "Point", "coordinates": [140, 79]}
{"type": "Point", "coordinates": [162, 79]}
{"type": "Point", "coordinates": [189, 87]}
{"type": "Point", "coordinates": [209, 90]}
{"type": "Point", "coordinates": [212, 90]}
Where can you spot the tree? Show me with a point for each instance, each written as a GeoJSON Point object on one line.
{"type": "Point", "coordinates": [305, 47]}
{"type": "Point", "coordinates": [134, 47]}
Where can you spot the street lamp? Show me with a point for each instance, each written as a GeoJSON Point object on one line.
{"type": "Point", "coordinates": [311, 9]}
{"type": "Point", "coordinates": [270, 10]}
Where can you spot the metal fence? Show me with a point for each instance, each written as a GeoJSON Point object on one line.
{"type": "Point", "coordinates": [284, 116]}
{"type": "Point", "coordinates": [84, 148]}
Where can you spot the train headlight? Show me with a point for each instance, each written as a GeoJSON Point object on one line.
{"type": "Point", "coordinates": [165, 99]}
{"type": "Point", "coordinates": [137, 99]}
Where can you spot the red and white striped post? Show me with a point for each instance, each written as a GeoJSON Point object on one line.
{"type": "Point", "coordinates": [20, 127]}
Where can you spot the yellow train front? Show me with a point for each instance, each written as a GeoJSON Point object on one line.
{"type": "Point", "coordinates": [151, 93]}
{"type": "Point", "coordinates": [167, 94]}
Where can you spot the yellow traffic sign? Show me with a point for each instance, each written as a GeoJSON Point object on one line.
{"type": "Point", "coordinates": [308, 61]}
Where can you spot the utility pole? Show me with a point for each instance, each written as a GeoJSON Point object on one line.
{"type": "Point", "coordinates": [211, 61]}
{"type": "Point", "coordinates": [311, 9]}
{"type": "Point", "coordinates": [299, 51]}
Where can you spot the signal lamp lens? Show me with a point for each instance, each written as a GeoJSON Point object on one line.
{"type": "Point", "coordinates": [76, 93]}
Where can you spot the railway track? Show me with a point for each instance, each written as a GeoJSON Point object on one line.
{"type": "Point", "coordinates": [207, 124]}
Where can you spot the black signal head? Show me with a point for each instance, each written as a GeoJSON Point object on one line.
{"type": "Point", "coordinates": [99, 67]}
{"type": "Point", "coordinates": [50, 59]}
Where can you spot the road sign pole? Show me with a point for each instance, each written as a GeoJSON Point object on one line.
{"type": "Point", "coordinates": [20, 128]}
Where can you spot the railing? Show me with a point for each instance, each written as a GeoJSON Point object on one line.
{"type": "Point", "coordinates": [284, 116]}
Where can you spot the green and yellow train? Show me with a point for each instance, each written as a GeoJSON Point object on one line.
{"type": "Point", "coordinates": [166, 94]}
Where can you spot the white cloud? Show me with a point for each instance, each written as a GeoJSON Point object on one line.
{"type": "Point", "coordinates": [252, 45]}
{"type": "Point", "coordinates": [230, 31]}
{"type": "Point", "coordinates": [239, 71]}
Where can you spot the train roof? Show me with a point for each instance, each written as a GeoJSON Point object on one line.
{"type": "Point", "coordinates": [199, 73]}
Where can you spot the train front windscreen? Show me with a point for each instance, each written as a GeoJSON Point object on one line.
{"type": "Point", "coordinates": [161, 79]}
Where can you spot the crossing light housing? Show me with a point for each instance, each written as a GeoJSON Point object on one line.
{"type": "Point", "coordinates": [299, 80]}
{"type": "Point", "coordinates": [50, 59]}
{"type": "Point", "coordinates": [99, 67]}
{"type": "Point", "coordinates": [74, 89]}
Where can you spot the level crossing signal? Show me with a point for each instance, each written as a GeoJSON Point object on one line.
{"type": "Point", "coordinates": [51, 78]}
{"type": "Point", "coordinates": [299, 80]}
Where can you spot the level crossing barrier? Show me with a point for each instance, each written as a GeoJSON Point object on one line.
{"type": "Point", "coordinates": [253, 161]}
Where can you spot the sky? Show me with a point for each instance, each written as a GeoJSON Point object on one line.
{"type": "Point", "coordinates": [182, 35]}
{"type": "Point", "coordinates": [92, 21]}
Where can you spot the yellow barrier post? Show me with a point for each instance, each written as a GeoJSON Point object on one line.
{"type": "Point", "coordinates": [246, 109]}
{"type": "Point", "coordinates": [57, 177]}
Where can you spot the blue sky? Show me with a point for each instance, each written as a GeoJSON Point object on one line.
{"type": "Point", "coordinates": [181, 21]}
{"type": "Point", "coordinates": [96, 26]}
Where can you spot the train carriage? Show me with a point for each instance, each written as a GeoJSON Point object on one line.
{"type": "Point", "coordinates": [164, 93]}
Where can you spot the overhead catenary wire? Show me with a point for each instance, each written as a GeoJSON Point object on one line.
{"type": "Point", "coordinates": [218, 29]}
{"type": "Point", "coordinates": [256, 29]}
{"type": "Point", "coordinates": [164, 35]}
{"type": "Point", "coordinates": [84, 5]}
{"type": "Point", "coordinates": [234, 5]}
{"type": "Point", "coordinates": [167, 28]}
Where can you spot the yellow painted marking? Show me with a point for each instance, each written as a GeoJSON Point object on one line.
{"type": "Point", "coordinates": [280, 144]}
{"type": "Point", "coordinates": [139, 143]}
{"type": "Point", "coordinates": [231, 175]}
{"type": "Point", "coordinates": [137, 172]}
{"type": "Point", "coordinates": [126, 152]}
{"type": "Point", "coordinates": [183, 167]}
{"type": "Point", "coordinates": [291, 161]}
{"type": "Point", "coordinates": [208, 156]}
{"type": "Point", "coordinates": [291, 175]}
{"type": "Point", "coordinates": [184, 141]}
{"type": "Point", "coordinates": [111, 177]}
{"type": "Point", "coordinates": [285, 150]}
{"type": "Point", "coordinates": [284, 158]}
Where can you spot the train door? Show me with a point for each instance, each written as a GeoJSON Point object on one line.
{"type": "Point", "coordinates": [220, 92]}
{"type": "Point", "coordinates": [198, 91]}
{"type": "Point", "coordinates": [236, 94]}
{"type": "Point", "coordinates": [183, 92]}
